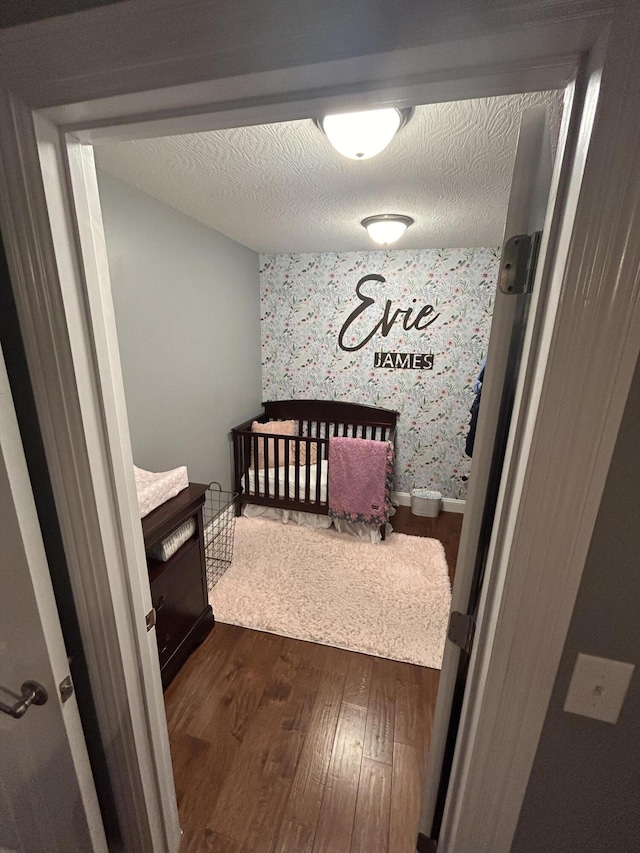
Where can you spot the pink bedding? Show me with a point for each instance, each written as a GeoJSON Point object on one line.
{"type": "Point", "coordinates": [360, 473]}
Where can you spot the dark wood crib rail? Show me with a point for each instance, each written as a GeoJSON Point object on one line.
{"type": "Point", "coordinates": [286, 495]}
{"type": "Point", "coordinates": [317, 422]}
{"type": "Point", "coordinates": [325, 418]}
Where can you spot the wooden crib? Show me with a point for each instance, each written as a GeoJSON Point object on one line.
{"type": "Point", "coordinates": [292, 469]}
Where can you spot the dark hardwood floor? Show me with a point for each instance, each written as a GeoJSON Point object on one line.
{"type": "Point", "coordinates": [283, 746]}
{"type": "Point", "coordinates": [446, 527]}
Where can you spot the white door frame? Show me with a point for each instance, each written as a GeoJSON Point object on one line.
{"type": "Point", "coordinates": [534, 196]}
{"type": "Point", "coordinates": [91, 75]}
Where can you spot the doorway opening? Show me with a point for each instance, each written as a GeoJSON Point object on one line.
{"type": "Point", "coordinates": [58, 275]}
{"type": "Point", "coordinates": [249, 678]}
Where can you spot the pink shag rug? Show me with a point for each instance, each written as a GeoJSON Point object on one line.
{"type": "Point", "coordinates": [390, 599]}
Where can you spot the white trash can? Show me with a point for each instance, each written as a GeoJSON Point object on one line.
{"type": "Point", "coordinates": [426, 502]}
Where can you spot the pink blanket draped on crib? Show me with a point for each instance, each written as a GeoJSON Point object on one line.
{"type": "Point", "coordinates": [360, 477]}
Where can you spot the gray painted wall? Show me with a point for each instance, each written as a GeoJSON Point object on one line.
{"type": "Point", "coordinates": [187, 308]}
{"type": "Point", "coordinates": [584, 791]}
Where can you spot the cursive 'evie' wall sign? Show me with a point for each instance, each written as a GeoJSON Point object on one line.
{"type": "Point", "coordinates": [365, 315]}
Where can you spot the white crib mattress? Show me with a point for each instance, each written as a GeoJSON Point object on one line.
{"type": "Point", "coordinates": [279, 473]}
{"type": "Point", "coordinates": [155, 488]}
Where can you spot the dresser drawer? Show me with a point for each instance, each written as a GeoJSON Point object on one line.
{"type": "Point", "coordinates": [176, 618]}
{"type": "Point", "coordinates": [178, 597]}
{"type": "Point", "coordinates": [170, 580]}
{"type": "Point", "coordinates": [178, 586]}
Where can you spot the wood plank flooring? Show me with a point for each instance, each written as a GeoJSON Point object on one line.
{"type": "Point", "coordinates": [284, 746]}
{"type": "Point", "coordinates": [446, 527]}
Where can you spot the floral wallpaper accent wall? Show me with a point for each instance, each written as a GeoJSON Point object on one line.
{"type": "Point", "coordinates": [306, 299]}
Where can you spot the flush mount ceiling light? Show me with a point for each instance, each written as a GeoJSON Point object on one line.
{"type": "Point", "coordinates": [386, 228]}
{"type": "Point", "coordinates": [363, 134]}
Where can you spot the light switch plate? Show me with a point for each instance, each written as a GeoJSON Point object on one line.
{"type": "Point", "coordinates": [598, 687]}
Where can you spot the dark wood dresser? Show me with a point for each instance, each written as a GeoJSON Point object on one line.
{"type": "Point", "coordinates": [179, 585]}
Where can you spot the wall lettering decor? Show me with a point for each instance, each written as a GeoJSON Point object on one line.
{"type": "Point", "coordinates": [307, 301]}
{"type": "Point", "coordinates": [425, 316]}
{"type": "Point", "coordinates": [404, 360]}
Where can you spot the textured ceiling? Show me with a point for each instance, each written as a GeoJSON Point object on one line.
{"type": "Point", "coordinates": [282, 187]}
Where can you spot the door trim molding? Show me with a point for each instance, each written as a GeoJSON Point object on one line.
{"type": "Point", "coordinates": [73, 372]}
{"type": "Point", "coordinates": [546, 515]}
{"type": "Point", "coordinates": [45, 273]}
{"type": "Point", "coordinates": [535, 198]}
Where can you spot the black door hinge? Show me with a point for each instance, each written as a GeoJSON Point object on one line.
{"type": "Point", "coordinates": [518, 263]}
{"type": "Point", "coordinates": [462, 627]}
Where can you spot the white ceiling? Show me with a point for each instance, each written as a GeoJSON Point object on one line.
{"type": "Point", "coordinates": [283, 188]}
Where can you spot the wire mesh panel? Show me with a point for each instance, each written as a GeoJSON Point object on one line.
{"type": "Point", "coordinates": [219, 527]}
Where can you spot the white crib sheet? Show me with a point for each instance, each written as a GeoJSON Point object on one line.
{"type": "Point", "coordinates": [279, 474]}
{"type": "Point", "coordinates": [310, 519]}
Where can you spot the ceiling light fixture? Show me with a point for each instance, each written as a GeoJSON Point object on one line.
{"type": "Point", "coordinates": [363, 134]}
{"type": "Point", "coordinates": [386, 228]}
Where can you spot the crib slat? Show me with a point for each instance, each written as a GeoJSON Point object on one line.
{"type": "Point", "coordinates": [246, 462]}
{"type": "Point", "coordinates": [267, 491]}
{"type": "Point", "coordinates": [276, 467]}
{"type": "Point", "coordinates": [297, 471]}
{"type": "Point", "coordinates": [307, 479]}
{"type": "Point", "coordinates": [287, 462]}
{"type": "Point", "coordinates": [318, 470]}
{"type": "Point", "coordinates": [256, 482]}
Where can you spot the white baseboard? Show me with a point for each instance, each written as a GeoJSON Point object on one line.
{"type": "Point", "coordinates": [448, 504]}
{"type": "Point", "coordinates": [453, 505]}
